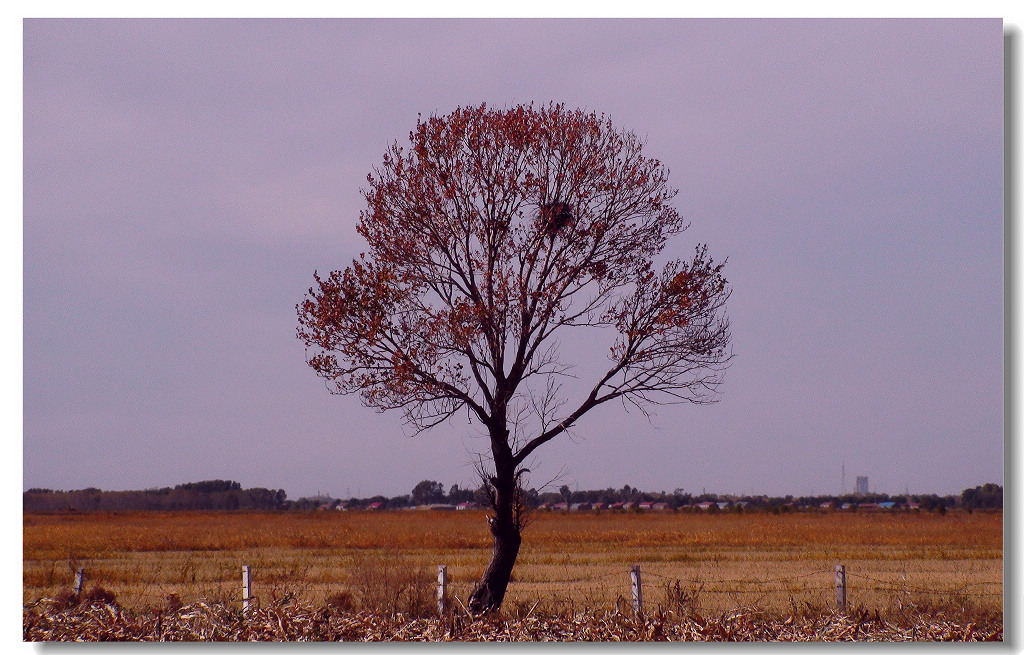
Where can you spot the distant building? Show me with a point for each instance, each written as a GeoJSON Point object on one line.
{"type": "Point", "coordinates": [862, 484]}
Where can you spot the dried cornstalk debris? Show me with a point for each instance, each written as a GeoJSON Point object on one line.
{"type": "Point", "coordinates": [48, 620]}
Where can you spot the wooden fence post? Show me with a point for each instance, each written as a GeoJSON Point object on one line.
{"type": "Point", "coordinates": [841, 587]}
{"type": "Point", "coordinates": [246, 588]}
{"type": "Point", "coordinates": [637, 589]}
{"type": "Point", "coordinates": [79, 581]}
{"type": "Point", "coordinates": [442, 588]}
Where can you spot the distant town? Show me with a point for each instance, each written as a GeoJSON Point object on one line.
{"type": "Point", "coordinates": [227, 495]}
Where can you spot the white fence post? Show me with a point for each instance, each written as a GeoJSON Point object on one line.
{"type": "Point", "coordinates": [79, 581]}
{"type": "Point", "coordinates": [841, 587]}
{"type": "Point", "coordinates": [442, 588]}
{"type": "Point", "coordinates": [246, 588]}
{"type": "Point", "coordinates": [637, 589]}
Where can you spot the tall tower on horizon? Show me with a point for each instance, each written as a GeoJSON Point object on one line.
{"type": "Point", "coordinates": [862, 485]}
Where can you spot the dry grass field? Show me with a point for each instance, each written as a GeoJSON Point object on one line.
{"type": "Point", "coordinates": [898, 564]}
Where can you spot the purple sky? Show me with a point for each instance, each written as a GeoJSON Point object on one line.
{"type": "Point", "coordinates": [183, 179]}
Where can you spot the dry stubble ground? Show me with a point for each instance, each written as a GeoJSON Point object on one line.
{"type": "Point", "coordinates": [907, 571]}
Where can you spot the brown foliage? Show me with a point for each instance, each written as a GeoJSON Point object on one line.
{"type": "Point", "coordinates": [493, 230]}
{"type": "Point", "coordinates": [67, 598]}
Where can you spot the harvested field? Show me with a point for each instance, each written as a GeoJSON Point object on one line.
{"type": "Point", "coordinates": [211, 622]}
{"type": "Point", "coordinates": [907, 570]}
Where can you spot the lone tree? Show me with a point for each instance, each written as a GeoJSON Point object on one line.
{"type": "Point", "coordinates": [495, 232]}
{"type": "Point", "coordinates": [427, 491]}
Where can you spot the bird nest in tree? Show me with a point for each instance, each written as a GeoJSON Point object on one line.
{"type": "Point", "coordinates": [555, 216]}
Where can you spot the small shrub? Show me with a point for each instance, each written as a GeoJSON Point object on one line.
{"type": "Point", "coordinates": [684, 599]}
{"type": "Point", "coordinates": [174, 602]}
{"type": "Point", "coordinates": [340, 601]}
{"type": "Point", "coordinates": [65, 599]}
{"type": "Point", "coordinates": [99, 595]}
{"type": "Point", "coordinates": [623, 605]}
{"type": "Point", "coordinates": [390, 584]}
{"type": "Point", "coordinates": [807, 609]}
{"type": "Point", "coordinates": [521, 609]}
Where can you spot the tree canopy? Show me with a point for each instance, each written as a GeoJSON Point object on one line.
{"type": "Point", "coordinates": [487, 237]}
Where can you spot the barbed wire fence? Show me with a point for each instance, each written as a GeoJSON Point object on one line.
{"type": "Point", "coordinates": [849, 588]}
{"type": "Point", "coordinates": [625, 585]}
{"type": "Point", "coordinates": [884, 586]}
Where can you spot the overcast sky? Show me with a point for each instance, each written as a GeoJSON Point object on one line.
{"type": "Point", "coordinates": [183, 180]}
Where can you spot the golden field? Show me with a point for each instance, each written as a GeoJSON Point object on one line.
{"type": "Point", "coordinates": [780, 564]}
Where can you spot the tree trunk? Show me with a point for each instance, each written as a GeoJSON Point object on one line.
{"type": "Point", "coordinates": [490, 591]}
{"type": "Point", "coordinates": [505, 528]}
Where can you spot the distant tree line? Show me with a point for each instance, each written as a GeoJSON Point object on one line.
{"type": "Point", "coordinates": [426, 492]}
{"type": "Point", "coordinates": [775, 504]}
{"type": "Point", "coordinates": [431, 492]}
{"type": "Point", "coordinates": [987, 496]}
{"type": "Point", "coordinates": [229, 495]}
{"type": "Point", "coordinates": [206, 495]}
